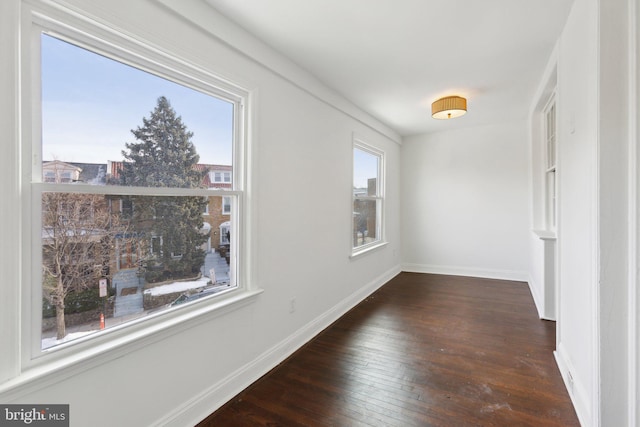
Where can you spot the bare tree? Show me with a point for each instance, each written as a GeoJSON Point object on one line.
{"type": "Point", "coordinates": [78, 243]}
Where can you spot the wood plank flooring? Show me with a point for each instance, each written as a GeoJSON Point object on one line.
{"type": "Point", "coordinates": [424, 350]}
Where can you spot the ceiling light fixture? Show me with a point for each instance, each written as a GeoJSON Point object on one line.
{"type": "Point", "coordinates": [449, 107]}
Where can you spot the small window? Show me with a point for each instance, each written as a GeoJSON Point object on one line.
{"type": "Point", "coordinates": [155, 249]}
{"type": "Point", "coordinates": [205, 208]}
{"type": "Point", "coordinates": [126, 207]}
{"type": "Point", "coordinates": [226, 205]}
{"type": "Point", "coordinates": [221, 177]}
{"type": "Point", "coordinates": [225, 233]}
{"type": "Point", "coordinates": [367, 197]}
{"type": "Point", "coordinates": [65, 176]}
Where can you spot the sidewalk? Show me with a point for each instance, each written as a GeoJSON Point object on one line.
{"type": "Point", "coordinates": [213, 261]}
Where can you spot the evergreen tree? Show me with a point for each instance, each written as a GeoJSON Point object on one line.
{"type": "Point", "coordinates": [164, 156]}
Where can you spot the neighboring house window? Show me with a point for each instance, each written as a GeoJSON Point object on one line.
{"type": "Point", "coordinates": [225, 233]}
{"type": "Point", "coordinates": [550, 172]}
{"type": "Point", "coordinates": [205, 210]}
{"type": "Point", "coordinates": [155, 247]}
{"type": "Point", "coordinates": [126, 207]}
{"type": "Point", "coordinates": [368, 191]}
{"type": "Point", "coordinates": [226, 205]}
{"type": "Point", "coordinates": [65, 176]}
{"type": "Point", "coordinates": [221, 177]}
{"type": "Point", "coordinates": [90, 230]}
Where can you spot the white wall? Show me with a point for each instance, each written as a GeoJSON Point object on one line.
{"type": "Point", "coordinates": [634, 264]}
{"type": "Point", "coordinates": [464, 202]}
{"type": "Point", "coordinates": [616, 107]}
{"type": "Point", "coordinates": [9, 177]}
{"type": "Point", "coordinates": [577, 208]}
{"type": "Point", "coordinates": [465, 210]}
{"type": "Point", "coordinates": [594, 212]}
{"type": "Point", "coordinates": [542, 239]}
{"type": "Point", "coordinates": [301, 203]}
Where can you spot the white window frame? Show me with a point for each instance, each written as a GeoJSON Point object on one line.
{"type": "Point", "coordinates": [206, 207]}
{"type": "Point", "coordinates": [379, 198]}
{"type": "Point", "coordinates": [550, 164]}
{"type": "Point", "coordinates": [153, 244]}
{"type": "Point", "coordinates": [227, 227]}
{"type": "Point", "coordinates": [221, 177]}
{"type": "Point", "coordinates": [83, 32]}
{"type": "Point", "coordinates": [226, 211]}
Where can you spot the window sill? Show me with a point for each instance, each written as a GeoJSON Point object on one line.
{"type": "Point", "coordinates": [65, 361]}
{"type": "Point", "coordinates": [367, 249]}
{"type": "Point", "coordinates": [545, 234]}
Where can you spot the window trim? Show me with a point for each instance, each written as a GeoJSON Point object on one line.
{"type": "Point", "coordinates": [225, 177]}
{"type": "Point", "coordinates": [224, 225]}
{"type": "Point", "coordinates": [206, 208]}
{"type": "Point", "coordinates": [550, 163]}
{"type": "Point", "coordinates": [97, 38]}
{"type": "Point", "coordinates": [360, 144]}
{"type": "Point", "coordinates": [226, 211]}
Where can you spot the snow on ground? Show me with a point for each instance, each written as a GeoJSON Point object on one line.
{"type": "Point", "coordinates": [177, 287]}
{"type": "Point", "coordinates": [158, 290]}
{"type": "Point", "coordinates": [50, 342]}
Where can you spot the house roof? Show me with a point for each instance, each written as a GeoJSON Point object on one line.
{"type": "Point", "coordinates": [91, 173]}
{"type": "Point", "coordinates": [115, 166]}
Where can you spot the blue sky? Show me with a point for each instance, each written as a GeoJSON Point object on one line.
{"type": "Point", "coordinates": [366, 166]}
{"type": "Point", "coordinates": [91, 103]}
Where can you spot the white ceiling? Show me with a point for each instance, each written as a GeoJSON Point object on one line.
{"type": "Point", "coordinates": [393, 58]}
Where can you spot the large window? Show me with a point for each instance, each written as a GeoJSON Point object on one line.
{"type": "Point", "coordinates": [368, 190]}
{"type": "Point", "coordinates": [124, 152]}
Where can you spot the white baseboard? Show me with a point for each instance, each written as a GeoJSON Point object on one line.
{"type": "Point", "coordinates": [200, 406]}
{"type": "Point", "coordinates": [537, 298]}
{"type": "Point", "coordinates": [575, 387]}
{"type": "Point", "coordinates": [519, 276]}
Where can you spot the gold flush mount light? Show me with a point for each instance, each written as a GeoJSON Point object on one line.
{"type": "Point", "coordinates": [449, 107]}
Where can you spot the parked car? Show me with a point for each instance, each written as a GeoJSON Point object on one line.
{"type": "Point", "coordinates": [186, 297]}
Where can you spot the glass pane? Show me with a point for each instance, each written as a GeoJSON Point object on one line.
{"type": "Point", "coordinates": [365, 173]}
{"type": "Point", "coordinates": [226, 205]}
{"type": "Point", "coordinates": [551, 200]}
{"type": "Point", "coordinates": [365, 222]}
{"type": "Point", "coordinates": [104, 122]}
{"type": "Point", "coordinates": [107, 261]}
{"type": "Point", "coordinates": [551, 137]}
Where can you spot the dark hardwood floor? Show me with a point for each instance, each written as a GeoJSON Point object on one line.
{"type": "Point", "coordinates": [424, 350]}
